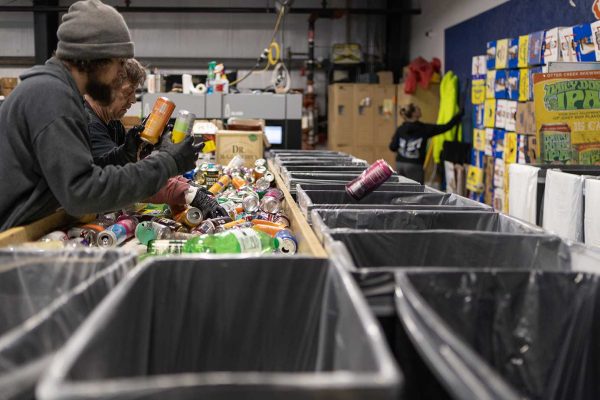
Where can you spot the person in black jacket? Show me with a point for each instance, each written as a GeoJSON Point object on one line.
{"type": "Point", "coordinates": [45, 157]}
{"type": "Point", "coordinates": [410, 141]}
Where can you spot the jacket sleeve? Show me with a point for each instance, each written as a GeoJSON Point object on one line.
{"type": "Point", "coordinates": [82, 187]}
{"type": "Point", "coordinates": [104, 150]}
{"type": "Point", "coordinates": [394, 143]}
{"type": "Point", "coordinates": [430, 130]}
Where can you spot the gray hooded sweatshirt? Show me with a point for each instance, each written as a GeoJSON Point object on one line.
{"type": "Point", "coordinates": [45, 157]}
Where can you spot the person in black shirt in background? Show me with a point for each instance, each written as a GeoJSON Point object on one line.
{"type": "Point", "coordinates": [410, 141]}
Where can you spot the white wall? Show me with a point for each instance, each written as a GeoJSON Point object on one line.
{"type": "Point", "coordinates": [427, 29]}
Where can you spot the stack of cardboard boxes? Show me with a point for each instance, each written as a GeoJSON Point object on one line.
{"type": "Point", "coordinates": [363, 117]}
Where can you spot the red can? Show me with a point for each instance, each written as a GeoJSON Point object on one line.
{"type": "Point", "coordinates": [369, 180]}
{"type": "Point", "coordinates": [158, 120]}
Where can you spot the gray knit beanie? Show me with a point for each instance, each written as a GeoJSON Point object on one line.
{"type": "Point", "coordinates": [92, 30]}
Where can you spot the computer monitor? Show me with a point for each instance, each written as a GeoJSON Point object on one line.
{"type": "Point", "coordinates": [274, 134]}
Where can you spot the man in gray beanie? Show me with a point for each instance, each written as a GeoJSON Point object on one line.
{"type": "Point", "coordinates": [45, 158]}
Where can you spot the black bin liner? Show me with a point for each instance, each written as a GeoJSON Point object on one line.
{"type": "Point", "coordinates": [44, 297]}
{"type": "Point", "coordinates": [449, 248]}
{"type": "Point", "coordinates": [324, 221]}
{"type": "Point", "coordinates": [228, 328]}
{"type": "Point", "coordinates": [506, 334]}
{"type": "Point", "coordinates": [309, 200]}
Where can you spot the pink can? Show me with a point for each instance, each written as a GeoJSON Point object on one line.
{"type": "Point", "coordinates": [369, 180]}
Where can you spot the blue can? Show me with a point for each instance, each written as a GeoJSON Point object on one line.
{"type": "Point", "coordinates": [287, 242]}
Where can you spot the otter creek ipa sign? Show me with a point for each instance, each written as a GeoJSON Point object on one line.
{"type": "Point", "coordinates": [567, 113]}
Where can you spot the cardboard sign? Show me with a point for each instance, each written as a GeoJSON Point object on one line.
{"type": "Point", "coordinates": [491, 55]}
{"type": "Point", "coordinates": [513, 53]}
{"type": "Point", "coordinates": [568, 52]}
{"type": "Point", "coordinates": [479, 67]}
{"type": "Point", "coordinates": [490, 85]}
{"type": "Point", "coordinates": [586, 51]}
{"type": "Point", "coordinates": [489, 119]}
{"type": "Point", "coordinates": [536, 44]}
{"type": "Point", "coordinates": [478, 91]}
{"type": "Point", "coordinates": [567, 113]}
{"type": "Point", "coordinates": [523, 60]}
{"type": "Point", "coordinates": [502, 54]}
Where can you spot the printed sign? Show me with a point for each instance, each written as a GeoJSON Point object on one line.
{"type": "Point", "coordinates": [567, 110]}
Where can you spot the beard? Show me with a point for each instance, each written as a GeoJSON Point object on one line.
{"type": "Point", "coordinates": [100, 92]}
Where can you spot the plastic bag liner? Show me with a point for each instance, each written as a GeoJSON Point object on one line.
{"type": "Point", "coordinates": [225, 328]}
{"type": "Point", "coordinates": [449, 248]}
{"type": "Point", "coordinates": [326, 221]}
{"type": "Point", "coordinates": [506, 334]}
{"type": "Point", "coordinates": [331, 168]}
{"type": "Point", "coordinates": [44, 296]}
{"type": "Point", "coordinates": [309, 200]}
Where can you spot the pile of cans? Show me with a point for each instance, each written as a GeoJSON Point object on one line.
{"type": "Point", "coordinates": [246, 194]}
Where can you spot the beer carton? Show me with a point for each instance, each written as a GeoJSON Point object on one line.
{"type": "Point", "coordinates": [595, 27]}
{"type": "Point", "coordinates": [582, 35]}
{"type": "Point", "coordinates": [513, 53]}
{"type": "Point", "coordinates": [501, 114]}
{"type": "Point", "coordinates": [479, 67]}
{"type": "Point", "coordinates": [478, 116]}
{"type": "Point", "coordinates": [551, 46]}
{"type": "Point", "coordinates": [512, 84]}
{"type": "Point", "coordinates": [501, 84]}
{"type": "Point", "coordinates": [478, 91]}
{"type": "Point", "coordinates": [490, 85]}
{"type": "Point", "coordinates": [489, 142]}
{"type": "Point", "coordinates": [489, 119]}
{"type": "Point", "coordinates": [568, 51]}
{"type": "Point", "coordinates": [491, 55]}
{"type": "Point", "coordinates": [536, 48]}
{"type": "Point", "coordinates": [510, 118]}
{"type": "Point", "coordinates": [502, 54]}
{"type": "Point", "coordinates": [523, 60]}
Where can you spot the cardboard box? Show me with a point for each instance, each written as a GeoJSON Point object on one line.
{"type": "Point", "coordinates": [478, 116]}
{"type": "Point", "coordinates": [568, 51]}
{"type": "Point", "coordinates": [363, 111]}
{"type": "Point", "coordinates": [513, 53]}
{"type": "Point", "coordinates": [478, 91]}
{"type": "Point", "coordinates": [567, 114]}
{"type": "Point", "coordinates": [427, 99]}
{"type": "Point", "coordinates": [249, 145]}
{"type": "Point", "coordinates": [340, 116]}
{"type": "Point", "coordinates": [536, 51]}
{"type": "Point", "coordinates": [551, 46]}
{"type": "Point", "coordinates": [524, 87]}
{"type": "Point", "coordinates": [7, 85]}
{"type": "Point", "coordinates": [499, 200]}
{"type": "Point", "coordinates": [521, 149]}
{"type": "Point", "coordinates": [523, 60]}
{"type": "Point", "coordinates": [511, 116]}
{"type": "Point", "coordinates": [491, 55]}
{"type": "Point", "coordinates": [595, 27]}
{"type": "Point", "coordinates": [498, 174]}
{"type": "Point", "coordinates": [501, 113]}
{"type": "Point", "coordinates": [532, 150]}
{"type": "Point", "coordinates": [479, 67]}
{"type": "Point", "coordinates": [532, 72]}
{"type": "Point", "coordinates": [386, 77]}
{"type": "Point", "coordinates": [490, 85]}
{"type": "Point", "coordinates": [512, 84]}
{"type": "Point", "coordinates": [384, 97]}
{"type": "Point", "coordinates": [489, 119]}
{"type": "Point", "coordinates": [501, 85]}
{"type": "Point", "coordinates": [479, 140]}
{"type": "Point", "coordinates": [584, 43]}
{"type": "Point", "coordinates": [502, 54]}
{"type": "Point", "coordinates": [525, 123]}
{"type": "Point", "coordinates": [489, 142]}
{"type": "Point", "coordinates": [475, 179]}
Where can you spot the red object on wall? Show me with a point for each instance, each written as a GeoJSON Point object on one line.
{"type": "Point", "coordinates": [420, 73]}
{"type": "Point", "coordinates": [596, 9]}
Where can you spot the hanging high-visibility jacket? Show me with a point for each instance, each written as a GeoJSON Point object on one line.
{"type": "Point", "coordinates": [449, 107]}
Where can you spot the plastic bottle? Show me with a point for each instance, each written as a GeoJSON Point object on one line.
{"type": "Point", "coordinates": [234, 241]}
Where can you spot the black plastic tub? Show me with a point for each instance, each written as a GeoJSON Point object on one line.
{"type": "Point", "coordinates": [228, 328]}
{"type": "Point", "coordinates": [44, 297]}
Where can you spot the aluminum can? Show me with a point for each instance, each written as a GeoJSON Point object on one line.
{"type": "Point", "coordinates": [183, 126]}
{"type": "Point", "coordinates": [369, 180]}
{"type": "Point", "coordinates": [158, 120]}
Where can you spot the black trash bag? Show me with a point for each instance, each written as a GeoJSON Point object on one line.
{"type": "Point", "coordinates": [44, 297]}
{"type": "Point", "coordinates": [506, 334]}
{"type": "Point", "coordinates": [251, 328]}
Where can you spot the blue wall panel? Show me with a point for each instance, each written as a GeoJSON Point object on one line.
{"type": "Point", "coordinates": [511, 19]}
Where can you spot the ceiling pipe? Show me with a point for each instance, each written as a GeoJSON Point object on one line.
{"type": "Point", "coordinates": [224, 10]}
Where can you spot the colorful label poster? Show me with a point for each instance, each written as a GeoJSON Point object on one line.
{"type": "Point", "coordinates": [567, 110]}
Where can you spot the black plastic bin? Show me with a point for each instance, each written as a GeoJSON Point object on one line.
{"type": "Point", "coordinates": [228, 328]}
{"type": "Point", "coordinates": [327, 221]}
{"type": "Point", "coordinates": [449, 249]}
{"type": "Point", "coordinates": [44, 297]}
{"type": "Point", "coordinates": [309, 200]}
{"type": "Point", "coordinates": [505, 334]}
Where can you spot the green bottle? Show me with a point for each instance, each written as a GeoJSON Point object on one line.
{"type": "Point", "coordinates": [245, 240]}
